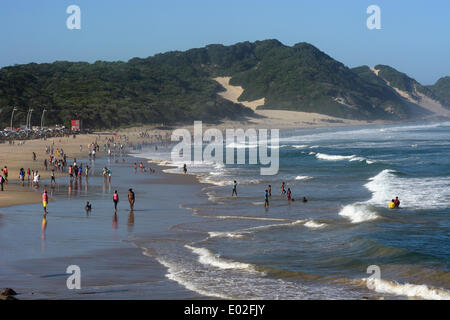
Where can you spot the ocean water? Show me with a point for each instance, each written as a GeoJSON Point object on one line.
{"type": "Point", "coordinates": [320, 249]}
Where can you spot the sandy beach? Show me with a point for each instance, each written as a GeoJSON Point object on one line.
{"type": "Point", "coordinates": [114, 264]}
{"type": "Point", "coordinates": [18, 155]}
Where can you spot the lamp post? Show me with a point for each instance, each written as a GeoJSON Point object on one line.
{"type": "Point", "coordinates": [12, 116]}
{"type": "Point", "coordinates": [42, 118]}
{"type": "Point", "coordinates": [29, 119]}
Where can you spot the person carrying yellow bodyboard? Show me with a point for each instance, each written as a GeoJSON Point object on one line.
{"type": "Point", "coordinates": [392, 204]}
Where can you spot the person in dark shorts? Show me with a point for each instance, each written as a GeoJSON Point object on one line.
{"type": "Point", "coordinates": [53, 177]}
{"type": "Point", "coordinates": [115, 200]}
{"type": "Point", "coordinates": [234, 192]}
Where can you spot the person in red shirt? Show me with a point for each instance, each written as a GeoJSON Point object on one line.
{"type": "Point", "coordinates": [5, 174]}
{"type": "Point", "coordinates": [115, 200]}
{"type": "Point", "coordinates": [396, 203]}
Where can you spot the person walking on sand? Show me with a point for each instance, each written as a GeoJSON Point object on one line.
{"type": "Point", "coordinates": [115, 200]}
{"type": "Point", "coordinates": [45, 201]}
{"type": "Point", "coordinates": [131, 198]}
{"type": "Point", "coordinates": [22, 175]}
{"type": "Point", "coordinates": [2, 181]}
{"type": "Point", "coordinates": [234, 192]}
{"type": "Point", "coordinates": [5, 174]}
{"type": "Point", "coordinates": [266, 199]}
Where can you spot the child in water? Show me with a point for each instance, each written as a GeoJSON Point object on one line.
{"type": "Point", "coordinates": [266, 199]}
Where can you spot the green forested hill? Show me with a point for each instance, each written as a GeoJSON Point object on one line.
{"type": "Point", "coordinates": [442, 90]}
{"type": "Point", "coordinates": [403, 82]}
{"type": "Point", "coordinates": [177, 87]}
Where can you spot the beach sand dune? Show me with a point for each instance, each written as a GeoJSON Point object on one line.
{"type": "Point", "coordinates": [279, 118]}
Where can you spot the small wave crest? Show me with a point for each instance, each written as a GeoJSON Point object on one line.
{"type": "Point", "coordinates": [206, 257]}
{"type": "Point", "coordinates": [314, 225]}
{"type": "Point", "coordinates": [406, 289]}
{"type": "Point", "coordinates": [358, 213]}
{"type": "Point", "coordinates": [330, 157]}
{"type": "Point", "coordinates": [419, 193]}
{"type": "Point", "coordinates": [303, 178]}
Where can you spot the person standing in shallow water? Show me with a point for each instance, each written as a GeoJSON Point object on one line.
{"type": "Point", "coordinates": [234, 192]}
{"type": "Point", "coordinates": [266, 199]}
{"type": "Point", "coordinates": [283, 190]}
{"type": "Point", "coordinates": [131, 198]}
{"type": "Point", "coordinates": [115, 200]}
{"type": "Point", "coordinates": [45, 201]}
{"type": "Point", "coordinates": [185, 169]}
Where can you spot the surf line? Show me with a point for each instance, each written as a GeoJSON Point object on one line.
{"type": "Point", "coordinates": [213, 152]}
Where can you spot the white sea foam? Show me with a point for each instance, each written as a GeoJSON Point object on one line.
{"type": "Point", "coordinates": [303, 178]}
{"type": "Point", "coordinates": [206, 257]}
{"type": "Point", "coordinates": [179, 274]}
{"type": "Point", "coordinates": [328, 157]}
{"type": "Point", "coordinates": [248, 284]}
{"type": "Point", "coordinates": [299, 146]}
{"type": "Point", "coordinates": [314, 225]}
{"type": "Point", "coordinates": [360, 134]}
{"type": "Point", "coordinates": [241, 233]}
{"type": "Point", "coordinates": [323, 156]}
{"type": "Point", "coordinates": [358, 212]}
{"type": "Point", "coordinates": [417, 193]}
{"type": "Point", "coordinates": [225, 234]}
{"type": "Point", "coordinates": [407, 289]}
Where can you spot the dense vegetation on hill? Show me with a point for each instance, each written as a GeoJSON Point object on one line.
{"type": "Point", "coordinates": [441, 89]}
{"type": "Point", "coordinates": [403, 82]}
{"type": "Point", "coordinates": [178, 87]}
{"type": "Point", "coordinates": [305, 79]}
{"type": "Point", "coordinates": [109, 94]}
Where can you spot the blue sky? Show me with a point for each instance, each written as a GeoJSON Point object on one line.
{"type": "Point", "coordinates": [414, 35]}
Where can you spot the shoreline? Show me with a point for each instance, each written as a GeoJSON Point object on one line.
{"type": "Point", "coordinates": [35, 277]}
{"type": "Point", "coordinates": [20, 156]}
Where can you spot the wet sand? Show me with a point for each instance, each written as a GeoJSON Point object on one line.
{"type": "Point", "coordinates": [105, 245]}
